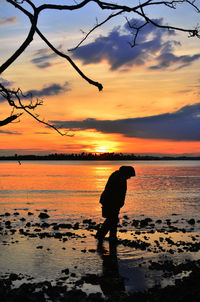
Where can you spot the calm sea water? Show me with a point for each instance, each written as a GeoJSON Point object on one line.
{"type": "Point", "coordinates": [72, 188]}
{"type": "Point", "coordinates": [69, 191]}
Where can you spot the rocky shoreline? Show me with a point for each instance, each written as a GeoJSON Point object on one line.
{"type": "Point", "coordinates": [145, 235]}
{"type": "Point", "coordinates": [184, 290]}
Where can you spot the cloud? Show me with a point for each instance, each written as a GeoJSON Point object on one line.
{"type": "Point", "coordinates": [53, 89]}
{"type": "Point", "coordinates": [43, 61]}
{"type": "Point", "coordinates": [50, 90]}
{"type": "Point", "coordinates": [8, 20]}
{"type": "Point", "coordinates": [44, 57]}
{"type": "Point", "coordinates": [7, 84]}
{"type": "Point", "coordinates": [42, 133]}
{"type": "Point", "coordinates": [181, 125]}
{"type": "Point", "coordinates": [80, 147]}
{"type": "Point", "coordinates": [151, 45]}
{"type": "Point", "coordinates": [10, 132]}
{"type": "Point", "coordinates": [184, 91]}
{"type": "Point", "coordinates": [166, 60]}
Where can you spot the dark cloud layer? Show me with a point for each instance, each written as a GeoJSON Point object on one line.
{"type": "Point", "coordinates": [181, 125]}
{"type": "Point", "coordinates": [53, 89]}
{"type": "Point", "coordinates": [151, 45]}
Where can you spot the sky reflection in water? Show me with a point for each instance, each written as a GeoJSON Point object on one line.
{"type": "Point", "coordinates": [70, 192]}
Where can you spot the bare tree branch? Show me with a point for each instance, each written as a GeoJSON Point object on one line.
{"type": "Point", "coordinates": [24, 45]}
{"type": "Point", "coordinates": [95, 27]}
{"type": "Point", "coordinates": [55, 50]}
{"type": "Point", "coordinates": [192, 32]}
{"type": "Point", "coordinates": [65, 7]}
{"type": "Point", "coordinates": [9, 119]}
{"type": "Point", "coordinates": [14, 99]}
{"type": "Point", "coordinates": [137, 30]}
{"type": "Point", "coordinates": [58, 52]}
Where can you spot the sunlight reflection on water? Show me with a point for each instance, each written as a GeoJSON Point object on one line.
{"type": "Point", "coordinates": [158, 189]}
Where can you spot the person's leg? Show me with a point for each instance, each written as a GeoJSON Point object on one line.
{"type": "Point", "coordinates": [113, 232]}
{"type": "Point", "coordinates": [110, 224]}
{"type": "Point", "coordinates": [101, 233]}
{"type": "Point", "coordinates": [113, 226]}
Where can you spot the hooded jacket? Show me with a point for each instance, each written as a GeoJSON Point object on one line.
{"type": "Point", "coordinates": [113, 196]}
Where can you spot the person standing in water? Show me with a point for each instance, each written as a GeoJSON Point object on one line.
{"type": "Point", "coordinates": [112, 199]}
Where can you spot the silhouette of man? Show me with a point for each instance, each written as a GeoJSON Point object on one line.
{"type": "Point", "coordinates": [112, 199]}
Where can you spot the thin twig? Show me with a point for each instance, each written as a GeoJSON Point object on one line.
{"type": "Point", "coordinates": [95, 27]}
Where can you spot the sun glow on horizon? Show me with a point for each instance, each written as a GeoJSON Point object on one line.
{"type": "Point", "coordinates": [102, 149]}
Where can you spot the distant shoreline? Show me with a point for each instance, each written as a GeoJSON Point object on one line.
{"type": "Point", "coordinates": [96, 157]}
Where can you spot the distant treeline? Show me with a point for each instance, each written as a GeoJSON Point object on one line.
{"type": "Point", "coordinates": [94, 156]}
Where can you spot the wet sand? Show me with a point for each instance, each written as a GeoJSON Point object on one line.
{"type": "Point", "coordinates": [47, 260]}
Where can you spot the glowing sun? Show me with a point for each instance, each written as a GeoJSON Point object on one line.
{"type": "Point", "coordinates": [101, 149]}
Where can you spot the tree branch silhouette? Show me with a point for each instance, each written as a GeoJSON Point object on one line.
{"type": "Point", "coordinates": [114, 9]}
{"type": "Point", "coordinates": [95, 27]}
{"type": "Point", "coordinates": [14, 98]}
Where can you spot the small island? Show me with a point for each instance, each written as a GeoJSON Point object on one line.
{"type": "Point", "coordinates": [96, 156]}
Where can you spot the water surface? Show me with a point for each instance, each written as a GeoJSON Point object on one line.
{"type": "Point", "coordinates": [69, 191]}
{"type": "Point", "coordinates": [73, 187]}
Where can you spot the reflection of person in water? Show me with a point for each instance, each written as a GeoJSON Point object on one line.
{"type": "Point", "coordinates": [112, 199]}
{"type": "Point", "coordinates": [111, 283]}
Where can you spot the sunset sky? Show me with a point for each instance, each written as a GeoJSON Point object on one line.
{"type": "Point", "coordinates": [150, 101]}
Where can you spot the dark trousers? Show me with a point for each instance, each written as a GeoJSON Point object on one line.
{"type": "Point", "coordinates": [110, 224]}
